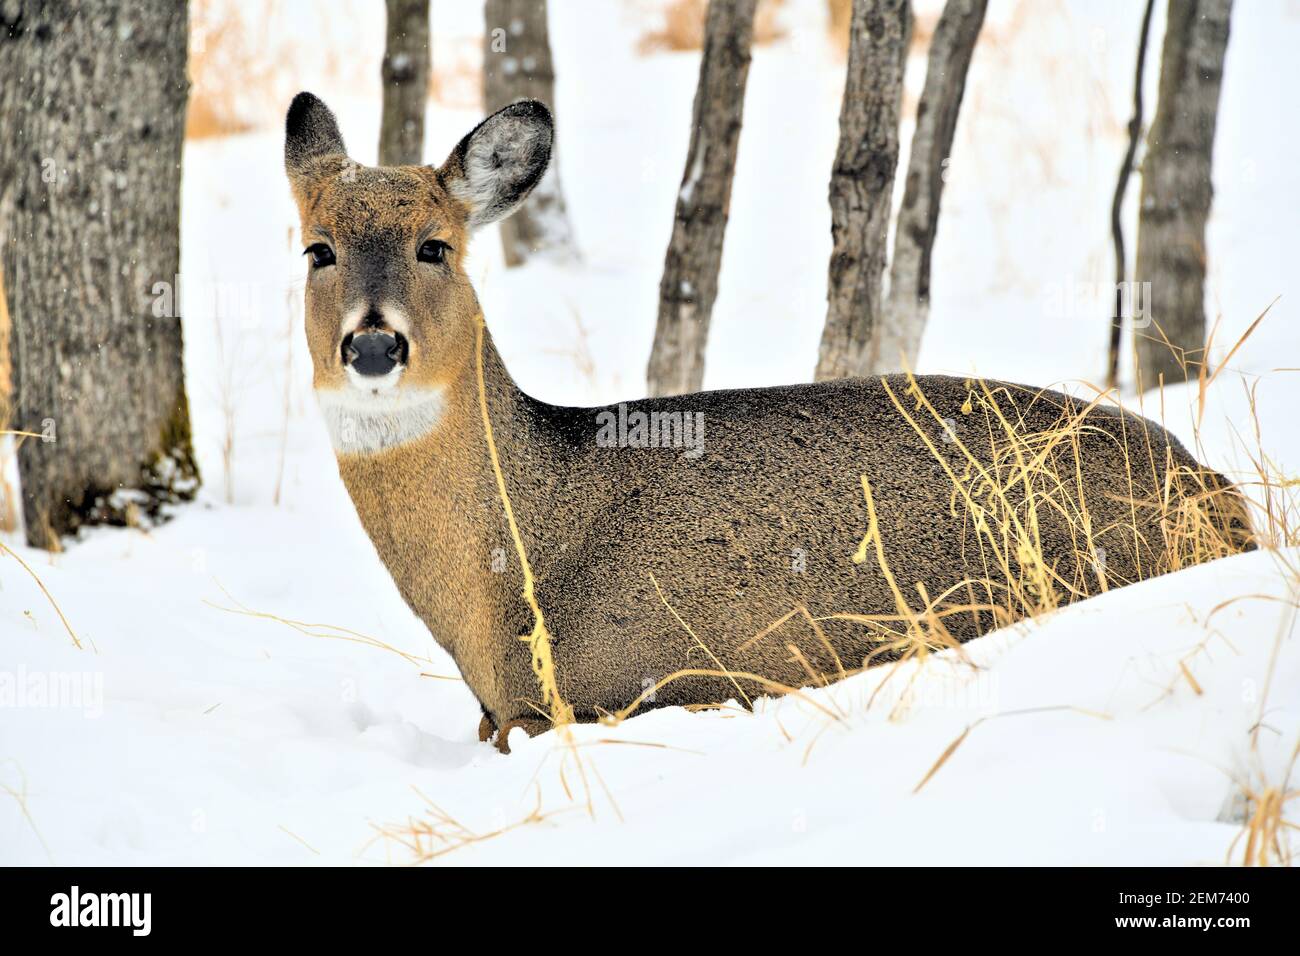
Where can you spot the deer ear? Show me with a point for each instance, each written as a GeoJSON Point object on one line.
{"type": "Point", "coordinates": [495, 167]}
{"type": "Point", "coordinates": [310, 134]}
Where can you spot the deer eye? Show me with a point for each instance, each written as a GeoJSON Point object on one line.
{"type": "Point", "coordinates": [432, 250]}
{"type": "Point", "coordinates": [321, 255]}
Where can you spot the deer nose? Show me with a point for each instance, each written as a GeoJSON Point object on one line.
{"type": "Point", "coordinates": [372, 352]}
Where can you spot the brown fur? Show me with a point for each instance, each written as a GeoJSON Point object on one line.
{"type": "Point", "coordinates": [766, 519]}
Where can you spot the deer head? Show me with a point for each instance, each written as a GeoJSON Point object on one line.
{"type": "Point", "coordinates": [390, 311]}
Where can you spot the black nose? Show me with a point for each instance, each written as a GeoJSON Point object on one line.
{"type": "Point", "coordinates": [373, 353]}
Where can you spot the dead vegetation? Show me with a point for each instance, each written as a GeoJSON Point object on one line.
{"type": "Point", "coordinates": [456, 77]}
{"type": "Point", "coordinates": [435, 832]}
{"type": "Point", "coordinates": [226, 65]}
{"type": "Point", "coordinates": [681, 26]}
{"type": "Point", "coordinates": [1267, 832]}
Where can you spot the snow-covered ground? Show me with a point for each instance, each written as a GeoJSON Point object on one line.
{"type": "Point", "coordinates": [186, 731]}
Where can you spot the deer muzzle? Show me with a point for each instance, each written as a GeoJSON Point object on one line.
{"type": "Point", "coordinates": [373, 352]}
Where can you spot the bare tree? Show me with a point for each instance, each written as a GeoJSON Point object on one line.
{"type": "Point", "coordinates": [862, 182]}
{"type": "Point", "coordinates": [690, 278]}
{"type": "Point", "coordinates": [93, 100]}
{"type": "Point", "coordinates": [908, 305]}
{"type": "Point", "coordinates": [405, 73]}
{"type": "Point", "coordinates": [8, 500]}
{"type": "Point", "coordinates": [517, 64]}
{"type": "Point", "coordinates": [6, 387]}
{"type": "Point", "coordinates": [1177, 191]}
{"type": "Point", "coordinates": [1117, 205]}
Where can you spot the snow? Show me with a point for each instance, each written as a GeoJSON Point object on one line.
{"type": "Point", "coordinates": [197, 726]}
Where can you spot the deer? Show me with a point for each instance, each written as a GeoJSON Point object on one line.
{"type": "Point", "coordinates": [686, 550]}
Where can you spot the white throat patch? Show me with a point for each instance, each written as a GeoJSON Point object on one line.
{"type": "Point", "coordinates": [365, 420]}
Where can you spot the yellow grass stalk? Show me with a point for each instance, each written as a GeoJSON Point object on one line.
{"type": "Point", "coordinates": [539, 641]}
{"type": "Point", "coordinates": [698, 643]}
{"type": "Point", "coordinates": [329, 631]}
{"type": "Point", "coordinates": [437, 833]}
{"type": "Point", "coordinates": [44, 590]}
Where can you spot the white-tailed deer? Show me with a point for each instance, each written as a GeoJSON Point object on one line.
{"type": "Point", "coordinates": [715, 532]}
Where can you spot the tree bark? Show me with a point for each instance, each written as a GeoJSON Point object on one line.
{"type": "Point", "coordinates": [405, 72]}
{"type": "Point", "coordinates": [690, 278]}
{"type": "Point", "coordinates": [1117, 205]}
{"type": "Point", "coordinates": [908, 305]}
{"type": "Point", "coordinates": [1177, 191]}
{"type": "Point", "coordinates": [8, 500]}
{"type": "Point", "coordinates": [6, 385]}
{"type": "Point", "coordinates": [93, 97]}
{"type": "Point", "coordinates": [517, 65]}
{"type": "Point", "coordinates": [862, 183]}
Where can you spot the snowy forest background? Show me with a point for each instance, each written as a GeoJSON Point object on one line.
{"type": "Point", "coordinates": [202, 690]}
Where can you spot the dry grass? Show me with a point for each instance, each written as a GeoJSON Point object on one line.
{"type": "Point", "coordinates": [1031, 478]}
{"type": "Point", "coordinates": [297, 839]}
{"type": "Point", "coordinates": [229, 386]}
{"type": "Point", "coordinates": [839, 15]}
{"type": "Point", "coordinates": [76, 641]}
{"type": "Point", "coordinates": [539, 641]}
{"type": "Point", "coordinates": [225, 65]}
{"type": "Point", "coordinates": [456, 77]}
{"type": "Point", "coordinates": [1266, 835]}
{"type": "Point", "coordinates": [435, 832]}
{"type": "Point", "coordinates": [19, 793]}
{"type": "Point", "coordinates": [326, 631]}
{"type": "Point", "coordinates": [8, 490]}
{"type": "Point", "coordinates": [681, 26]}
{"type": "Point", "coordinates": [961, 738]}
{"type": "Point", "coordinates": [580, 352]}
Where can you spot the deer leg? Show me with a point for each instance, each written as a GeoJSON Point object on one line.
{"type": "Point", "coordinates": [486, 728]}
{"type": "Point", "coordinates": [531, 725]}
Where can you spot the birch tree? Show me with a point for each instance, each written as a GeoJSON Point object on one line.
{"type": "Point", "coordinates": [93, 99]}
{"type": "Point", "coordinates": [690, 277]}
{"type": "Point", "coordinates": [1177, 191]}
{"type": "Point", "coordinates": [517, 64]}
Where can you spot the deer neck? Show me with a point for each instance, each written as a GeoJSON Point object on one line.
{"type": "Point", "coordinates": [425, 490]}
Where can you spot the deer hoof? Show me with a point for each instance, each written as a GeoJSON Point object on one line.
{"type": "Point", "coordinates": [530, 726]}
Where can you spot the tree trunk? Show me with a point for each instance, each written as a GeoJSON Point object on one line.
{"type": "Point", "coordinates": [1176, 190]}
{"type": "Point", "coordinates": [690, 280]}
{"type": "Point", "coordinates": [517, 65]}
{"type": "Point", "coordinates": [405, 73]}
{"type": "Point", "coordinates": [6, 385]}
{"type": "Point", "coordinates": [862, 184]}
{"type": "Point", "coordinates": [1117, 205]}
{"type": "Point", "coordinates": [93, 99]}
{"type": "Point", "coordinates": [908, 305]}
{"type": "Point", "coordinates": [8, 500]}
